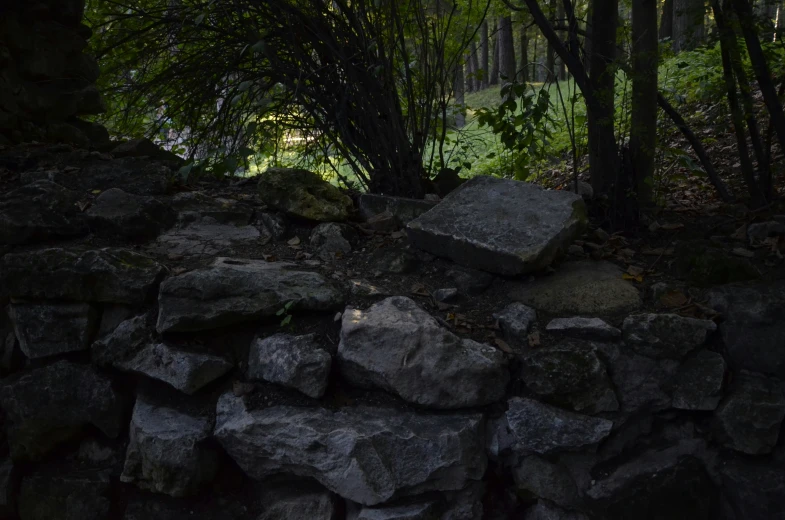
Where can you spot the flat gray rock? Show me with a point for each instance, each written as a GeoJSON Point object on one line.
{"type": "Point", "coordinates": [700, 381]}
{"type": "Point", "coordinates": [584, 328]}
{"type": "Point", "coordinates": [515, 320]}
{"type": "Point", "coordinates": [749, 418]}
{"type": "Point", "coordinates": [544, 510]}
{"type": "Point", "coordinates": [366, 455]}
{"type": "Point", "coordinates": [585, 288]}
{"type": "Point", "coordinates": [571, 375]}
{"type": "Point", "coordinates": [105, 275]}
{"type": "Point", "coordinates": [40, 211]}
{"type": "Point", "coordinates": [167, 452]}
{"type": "Point", "coordinates": [398, 347]}
{"type": "Point", "coordinates": [49, 329]}
{"type": "Point", "coordinates": [207, 237]}
{"type": "Point", "coordinates": [303, 502]}
{"type": "Point", "coordinates": [221, 210]}
{"type": "Point", "coordinates": [117, 213]}
{"type": "Point", "coordinates": [544, 429]}
{"type": "Point", "coordinates": [665, 336]}
{"type": "Point", "coordinates": [53, 404]}
{"type": "Point", "coordinates": [753, 326]}
{"type": "Point", "coordinates": [641, 383]}
{"type": "Point", "coordinates": [500, 226]}
{"type": "Point", "coordinates": [297, 362]}
{"type": "Point", "coordinates": [236, 290]}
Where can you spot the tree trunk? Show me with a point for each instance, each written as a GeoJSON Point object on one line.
{"type": "Point", "coordinates": [688, 25]}
{"type": "Point", "coordinates": [550, 56]}
{"type": "Point", "coordinates": [477, 78]}
{"type": "Point", "coordinates": [561, 69]}
{"type": "Point", "coordinates": [666, 20]}
{"type": "Point", "coordinates": [494, 79]}
{"type": "Point", "coordinates": [523, 71]}
{"type": "Point", "coordinates": [484, 54]}
{"type": "Point", "coordinates": [460, 116]}
{"type": "Point", "coordinates": [535, 72]}
{"type": "Point", "coordinates": [506, 49]}
{"type": "Point", "coordinates": [603, 153]}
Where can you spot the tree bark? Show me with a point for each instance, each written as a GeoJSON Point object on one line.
{"type": "Point", "coordinates": [495, 64]}
{"type": "Point", "coordinates": [484, 54]}
{"type": "Point", "coordinates": [506, 49]}
{"type": "Point", "coordinates": [459, 88]}
{"type": "Point", "coordinates": [643, 129]}
{"type": "Point", "coordinates": [477, 76]}
{"type": "Point", "coordinates": [688, 24]}
{"type": "Point", "coordinates": [523, 70]}
{"type": "Point", "coordinates": [561, 69]}
{"type": "Point", "coordinates": [666, 20]}
{"type": "Point", "coordinates": [550, 57]}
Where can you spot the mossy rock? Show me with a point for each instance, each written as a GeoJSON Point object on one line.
{"type": "Point", "coordinates": [303, 194]}
{"type": "Point", "coordinates": [703, 264]}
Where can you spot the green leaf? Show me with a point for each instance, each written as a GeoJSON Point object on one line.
{"type": "Point", "coordinates": [286, 321]}
{"type": "Point", "coordinates": [280, 312]}
{"type": "Point", "coordinates": [199, 20]}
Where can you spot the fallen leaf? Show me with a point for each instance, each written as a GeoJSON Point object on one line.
{"type": "Point", "coordinates": [630, 277]}
{"type": "Point", "coordinates": [674, 298]}
{"type": "Point", "coordinates": [503, 346]}
{"type": "Point", "coordinates": [420, 290]}
{"type": "Point", "coordinates": [96, 192]}
{"type": "Point", "coordinates": [634, 270]}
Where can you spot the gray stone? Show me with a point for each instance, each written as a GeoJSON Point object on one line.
{"type": "Point", "coordinates": [298, 362]}
{"type": "Point", "coordinates": [138, 176]}
{"type": "Point", "coordinates": [303, 194]}
{"type": "Point", "coordinates": [544, 429]}
{"type": "Point", "coordinates": [9, 484]}
{"type": "Point", "coordinates": [275, 225]}
{"type": "Point", "coordinates": [398, 347]}
{"type": "Point", "coordinates": [415, 511]}
{"type": "Point", "coordinates": [384, 222]}
{"type": "Point", "coordinates": [471, 281]}
{"type": "Point", "coordinates": [545, 479]}
{"type": "Point", "coordinates": [501, 226]}
{"type": "Point", "coordinates": [72, 496]}
{"type": "Point", "coordinates": [754, 488]}
{"type": "Point", "coordinates": [187, 372]}
{"type": "Point", "coordinates": [753, 329]}
{"type": "Point", "coordinates": [332, 240]}
{"type": "Point", "coordinates": [206, 505]}
{"type": "Point", "coordinates": [117, 213]}
{"type": "Point", "coordinates": [221, 210]}
{"type": "Point", "coordinates": [394, 260]}
{"type": "Point", "coordinates": [112, 316]}
{"type": "Point", "coordinates": [515, 321]}
{"type": "Point", "coordinates": [235, 290]}
{"type": "Point", "coordinates": [207, 237]}
{"type": "Point", "coordinates": [445, 295]}
{"type": "Point", "coordinates": [285, 501]}
{"type": "Point", "coordinates": [642, 383]}
{"type": "Point", "coordinates": [544, 510]}
{"type": "Point", "coordinates": [584, 328]}
{"type": "Point", "coordinates": [124, 342]}
{"type": "Point", "coordinates": [569, 375]}
{"type": "Point", "coordinates": [51, 405]}
{"type": "Point", "coordinates": [665, 336]}
{"type": "Point", "coordinates": [105, 275]}
{"type": "Point", "coordinates": [40, 211]}
{"type": "Point", "coordinates": [699, 382]}
{"type": "Point", "coordinates": [49, 329]}
{"type": "Point", "coordinates": [584, 287]}
{"type": "Point", "coordinates": [166, 451]}
{"type": "Point", "coordinates": [144, 148]}
{"type": "Point", "coordinates": [763, 230]}
{"type": "Point", "coordinates": [749, 418]}
{"type": "Point", "coordinates": [404, 210]}
{"type": "Point", "coordinates": [365, 289]}
{"type": "Point", "coordinates": [366, 455]}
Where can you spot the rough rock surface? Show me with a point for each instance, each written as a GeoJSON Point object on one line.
{"type": "Point", "coordinates": [366, 455]}
{"type": "Point", "coordinates": [235, 290]}
{"type": "Point", "coordinates": [700, 381]}
{"type": "Point", "coordinates": [515, 321]}
{"type": "Point", "coordinates": [285, 501]}
{"type": "Point", "coordinates": [117, 213]}
{"type": "Point", "coordinates": [749, 418]}
{"type": "Point", "coordinates": [40, 211]}
{"type": "Point", "coordinates": [585, 288]}
{"type": "Point", "coordinates": [333, 239]}
{"type": "Point", "coordinates": [105, 275]}
{"type": "Point", "coordinates": [501, 226]}
{"type": "Point", "coordinates": [665, 336]}
{"type": "Point", "coordinates": [167, 451]}
{"type": "Point", "coordinates": [753, 329]}
{"type": "Point", "coordinates": [545, 479]}
{"type": "Point", "coordinates": [206, 237]}
{"type": "Point", "coordinates": [396, 346]}
{"type": "Point", "coordinates": [298, 362]}
{"type": "Point", "coordinates": [544, 510]}
{"type": "Point", "coordinates": [571, 375]}
{"type": "Point", "coordinates": [195, 205]}
{"type": "Point", "coordinates": [584, 328]}
{"type": "Point", "coordinates": [51, 405]}
{"type": "Point", "coordinates": [303, 194]}
{"type": "Point", "coordinates": [71, 496]}
{"type": "Point", "coordinates": [755, 489]}
{"type": "Point", "coordinates": [49, 329]}
{"type": "Point", "coordinates": [642, 383]}
{"type": "Point", "coordinates": [404, 210]}
{"type": "Point", "coordinates": [544, 429]}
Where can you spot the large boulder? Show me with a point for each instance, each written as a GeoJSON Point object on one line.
{"type": "Point", "coordinates": [541, 428]}
{"type": "Point", "coordinates": [367, 455]}
{"type": "Point", "coordinates": [753, 329]}
{"type": "Point", "coordinates": [755, 488]}
{"type": "Point", "coordinates": [571, 375]}
{"type": "Point", "coordinates": [235, 290]}
{"type": "Point", "coordinates": [584, 288]}
{"type": "Point", "coordinates": [665, 336]}
{"type": "Point", "coordinates": [501, 226]}
{"type": "Point", "coordinates": [397, 346]}
{"type": "Point", "coordinates": [104, 275]}
{"type": "Point", "coordinates": [298, 362]}
{"type": "Point", "coordinates": [167, 451]}
{"type": "Point", "coordinates": [38, 212]}
{"type": "Point", "coordinates": [117, 213]}
{"type": "Point", "coordinates": [51, 405]}
{"type": "Point", "coordinates": [48, 329]}
{"type": "Point", "coordinates": [303, 194]}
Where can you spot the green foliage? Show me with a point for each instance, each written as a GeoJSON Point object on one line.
{"type": "Point", "coordinates": [284, 311]}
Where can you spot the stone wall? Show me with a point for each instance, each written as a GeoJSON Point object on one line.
{"type": "Point", "coordinates": [46, 79]}
{"type": "Point", "coordinates": [221, 354]}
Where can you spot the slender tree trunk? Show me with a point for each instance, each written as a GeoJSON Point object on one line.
{"type": "Point", "coordinates": [688, 24]}
{"type": "Point", "coordinates": [477, 79]}
{"type": "Point", "coordinates": [666, 20]}
{"type": "Point", "coordinates": [535, 72]}
{"type": "Point", "coordinates": [643, 130]}
{"type": "Point", "coordinates": [523, 71]}
{"type": "Point", "coordinates": [561, 68]}
{"type": "Point", "coordinates": [550, 57]}
{"type": "Point", "coordinates": [506, 49]}
{"type": "Point", "coordinates": [460, 117]}
{"type": "Point", "coordinates": [484, 54]}
{"type": "Point", "coordinates": [495, 63]}
{"type": "Point", "coordinates": [469, 74]}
